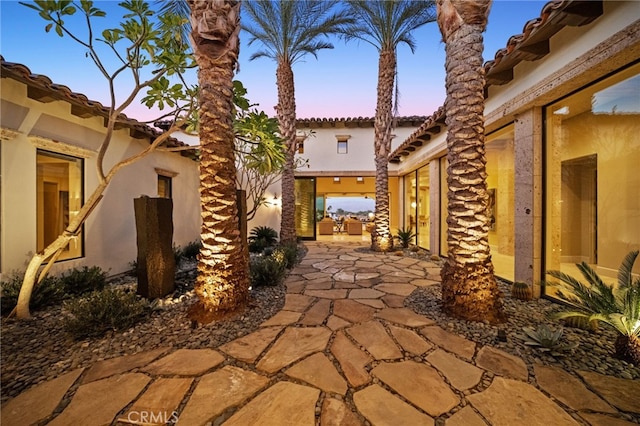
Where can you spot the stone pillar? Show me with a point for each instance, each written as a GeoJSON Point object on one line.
{"type": "Point", "coordinates": [528, 199]}
{"type": "Point", "coordinates": [154, 232]}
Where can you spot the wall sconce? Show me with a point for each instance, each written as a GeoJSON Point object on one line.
{"type": "Point", "coordinates": [360, 179]}
{"type": "Point", "coordinates": [275, 201]}
{"type": "Point", "coordinates": [336, 179]}
{"type": "Point", "coordinates": [413, 204]}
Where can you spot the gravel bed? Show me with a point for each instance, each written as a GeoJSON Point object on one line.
{"type": "Point", "coordinates": [39, 349]}
{"type": "Point", "coordinates": [595, 351]}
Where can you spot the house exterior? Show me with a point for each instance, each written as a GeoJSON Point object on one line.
{"type": "Point", "coordinates": [562, 126]}
{"type": "Point", "coordinates": [48, 153]}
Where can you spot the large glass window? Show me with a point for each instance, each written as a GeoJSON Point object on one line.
{"type": "Point", "coordinates": [500, 184]}
{"type": "Point", "coordinates": [423, 207]}
{"type": "Point", "coordinates": [305, 196]}
{"type": "Point", "coordinates": [410, 203]}
{"type": "Point", "coordinates": [59, 198]}
{"type": "Point", "coordinates": [592, 181]}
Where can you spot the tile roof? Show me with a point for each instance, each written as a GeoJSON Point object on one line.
{"type": "Point", "coordinates": [314, 123]}
{"type": "Point", "coordinates": [41, 88]}
{"type": "Point", "coordinates": [531, 45]}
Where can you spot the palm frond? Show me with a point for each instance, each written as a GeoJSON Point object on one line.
{"type": "Point", "coordinates": [625, 277]}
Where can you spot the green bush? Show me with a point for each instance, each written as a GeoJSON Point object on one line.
{"type": "Point", "coordinates": [262, 237]}
{"type": "Point", "coordinates": [49, 292]}
{"type": "Point", "coordinates": [191, 250]}
{"type": "Point", "coordinates": [405, 236]}
{"type": "Point", "coordinates": [103, 310]}
{"type": "Point", "coordinates": [79, 281]}
{"type": "Point", "coordinates": [267, 270]}
{"type": "Point", "coordinates": [289, 252]}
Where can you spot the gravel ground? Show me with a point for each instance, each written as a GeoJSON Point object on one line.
{"type": "Point", "coordinates": [595, 351]}
{"type": "Point", "coordinates": [39, 349]}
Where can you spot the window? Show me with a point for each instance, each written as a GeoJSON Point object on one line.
{"type": "Point", "coordinates": [342, 146]}
{"type": "Point", "coordinates": [164, 186]}
{"type": "Point", "coordinates": [300, 144]}
{"type": "Point", "coordinates": [592, 184]}
{"type": "Point", "coordinates": [59, 198]}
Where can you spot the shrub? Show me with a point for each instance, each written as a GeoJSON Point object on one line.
{"type": "Point", "coordinates": [405, 236]}
{"type": "Point", "coordinates": [262, 237]}
{"type": "Point", "coordinates": [267, 270]}
{"type": "Point", "coordinates": [618, 307]}
{"type": "Point", "coordinates": [49, 292]}
{"type": "Point", "coordinates": [79, 281]}
{"type": "Point", "coordinates": [546, 339]}
{"type": "Point", "coordinates": [178, 253]}
{"type": "Point", "coordinates": [192, 250]}
{"type": "Point", "coordinates": [289, 253]}
{"type": "Point", "coordinates": [103, 310]}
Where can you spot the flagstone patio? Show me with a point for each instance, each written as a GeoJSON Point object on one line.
{"type": "Point", "coordinates": [342, 351]}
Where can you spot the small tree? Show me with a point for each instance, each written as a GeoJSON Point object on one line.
{"type": "Point", "coordinates": [144, 44]}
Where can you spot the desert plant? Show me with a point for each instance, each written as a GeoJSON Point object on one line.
{"type": "Point", "coordinates": [78, 281]}
{"type": "Point", "coordinates": [178, 254]}
{"type": "Point", "coordinates": [405, 236]}
{"type": "Point", "coordinates": [103, 310]}
{"type": "Point", "coordinates": [618, 307]}
{"type": "Point", "coordinates": [289, 251]}
{"type": "Point", "coordinates": [546, 339]}
{"type": "Point", "coordinates": [262, 237]}
{"type": "Point", "coordinates": [522, 291]}
{"type": "Point", "coordinates": [191, 250]}
{"type": "Point", "coordinates": [49, 292]}
{"type": "Point", "coordinates": [267, 270]}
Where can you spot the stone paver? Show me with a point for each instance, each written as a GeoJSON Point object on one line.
{"type": "Point", "coordinates": [419, 384]}
{"type": "Point", "coordinates": [381, 407]}
{"type": "Point", "coordinates": [450, 342]}
{"type": "Point", "coordinates": [317, 314]}
{"type": "Point", "coordinates": [410, 341]}
{"type": "Point", "coordinates": [461, 374]}
{"type": "Point", "coordinates": [512, 402]}
{"type": "Point", "coordinates": [284, 403]}
{"type": "Point", "coordinates": [38, 402]}
{"type": "Point", "coordinates": [353, 311]}
{"type": "Point", "coordinates": [375, 340]}
{"type": "Point", "coordinates": [343, 351]}
{"type": "Point", "coordinates": [159, 402]}
{"type": "Point", "coordinates": [249, 347]}
{"type": "Point", "coordinates": [570, 390]}
{"type": "Point", "coordinates": [109, 367]}
{"type": "Point", "coordinates": [227, 387]}
{"type": "Point", "coordinates": [621, 393]}
{"type": "Point", "coordinates": [294, 344]}
{"type": "Point", "coordinates": [397, 289]}
{"type": "Point", "coordinates": [352, 360]}
{"type": "Point", "coordinates": [404, 316]}
{"type": "Point", "coordinates": [99, 402]}
{"type": "Point", "coordinates": [336, 413]}
{"type": "Point", "coordinates": [465, 417]}
{"type": "Point", "coordinates": [502, 363]}
{"type": "Point", "coordinates": [186, 362]}
{"type": "Point", "coordinates": [282, 318]}
{"type": "Point", "coordinates": [318, 371]}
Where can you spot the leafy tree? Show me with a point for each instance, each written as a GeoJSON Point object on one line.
{"type": "Point", "coordinates": [385, 25]}
{"type": "Point", "coordinates": [288, 31]}
{"type": "Point", "coordinates": [144, 44]}
{"type": "Point", "coordinates": [469, 287]}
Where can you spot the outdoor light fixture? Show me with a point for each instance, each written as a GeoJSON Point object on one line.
{"type": "Point", "coordinates": [336, 179]}
{"type": "Point", "coordinates": [360, 179]}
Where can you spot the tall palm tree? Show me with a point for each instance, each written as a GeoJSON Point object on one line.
{"type": "Point", "coordinates": [469, 287]}
{"type": "Point", "coordinates": [222, 284]}
{"type": "Point", "coordinates": [289, 30]}
{"type": "Point", "coordinates": [385, 25]}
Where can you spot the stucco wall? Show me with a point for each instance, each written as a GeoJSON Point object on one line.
{"type": "Point", "coordinates": [109, 235]}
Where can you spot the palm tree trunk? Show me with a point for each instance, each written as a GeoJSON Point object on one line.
{"type": "Point", "coordinates": [286, 111]}
{"type": "Point", "coordinates": [222, 284]}
{"type": "Point", "coordinates": [469, 287]}
{"type": "Point", "coordinates": [382, 240]}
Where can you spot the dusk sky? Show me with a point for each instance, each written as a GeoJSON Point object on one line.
{"type": "Point", "coordinates": [340, 83]}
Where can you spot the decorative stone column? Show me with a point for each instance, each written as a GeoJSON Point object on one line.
{"type": "Point", "coordinates": [154, 235]}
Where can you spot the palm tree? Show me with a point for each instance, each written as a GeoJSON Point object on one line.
{"type": "Point", "coordinates": [222, 284]}
{"type": "Point", "coordinates": [469, 287]}
{"type": "Point", "coordinates": [386, 24]}
{"type": "Point", "coordinates": [289, 30]}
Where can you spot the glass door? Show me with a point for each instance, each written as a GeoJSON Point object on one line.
{"type": "Point", "coordinates": [305, 214]}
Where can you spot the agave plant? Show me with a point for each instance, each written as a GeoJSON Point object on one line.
{"type": "Point", "coordinates": [262, 237]}
{"type": "Point", "coordinates": [618, 307]}
{"type": "Point", "coordinates": [546, 339]}
{"type": "Point", "coordinates": [405, 236]}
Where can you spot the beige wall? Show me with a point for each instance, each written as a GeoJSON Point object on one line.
{"type": "Point", "coordinates": [110, 237]}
